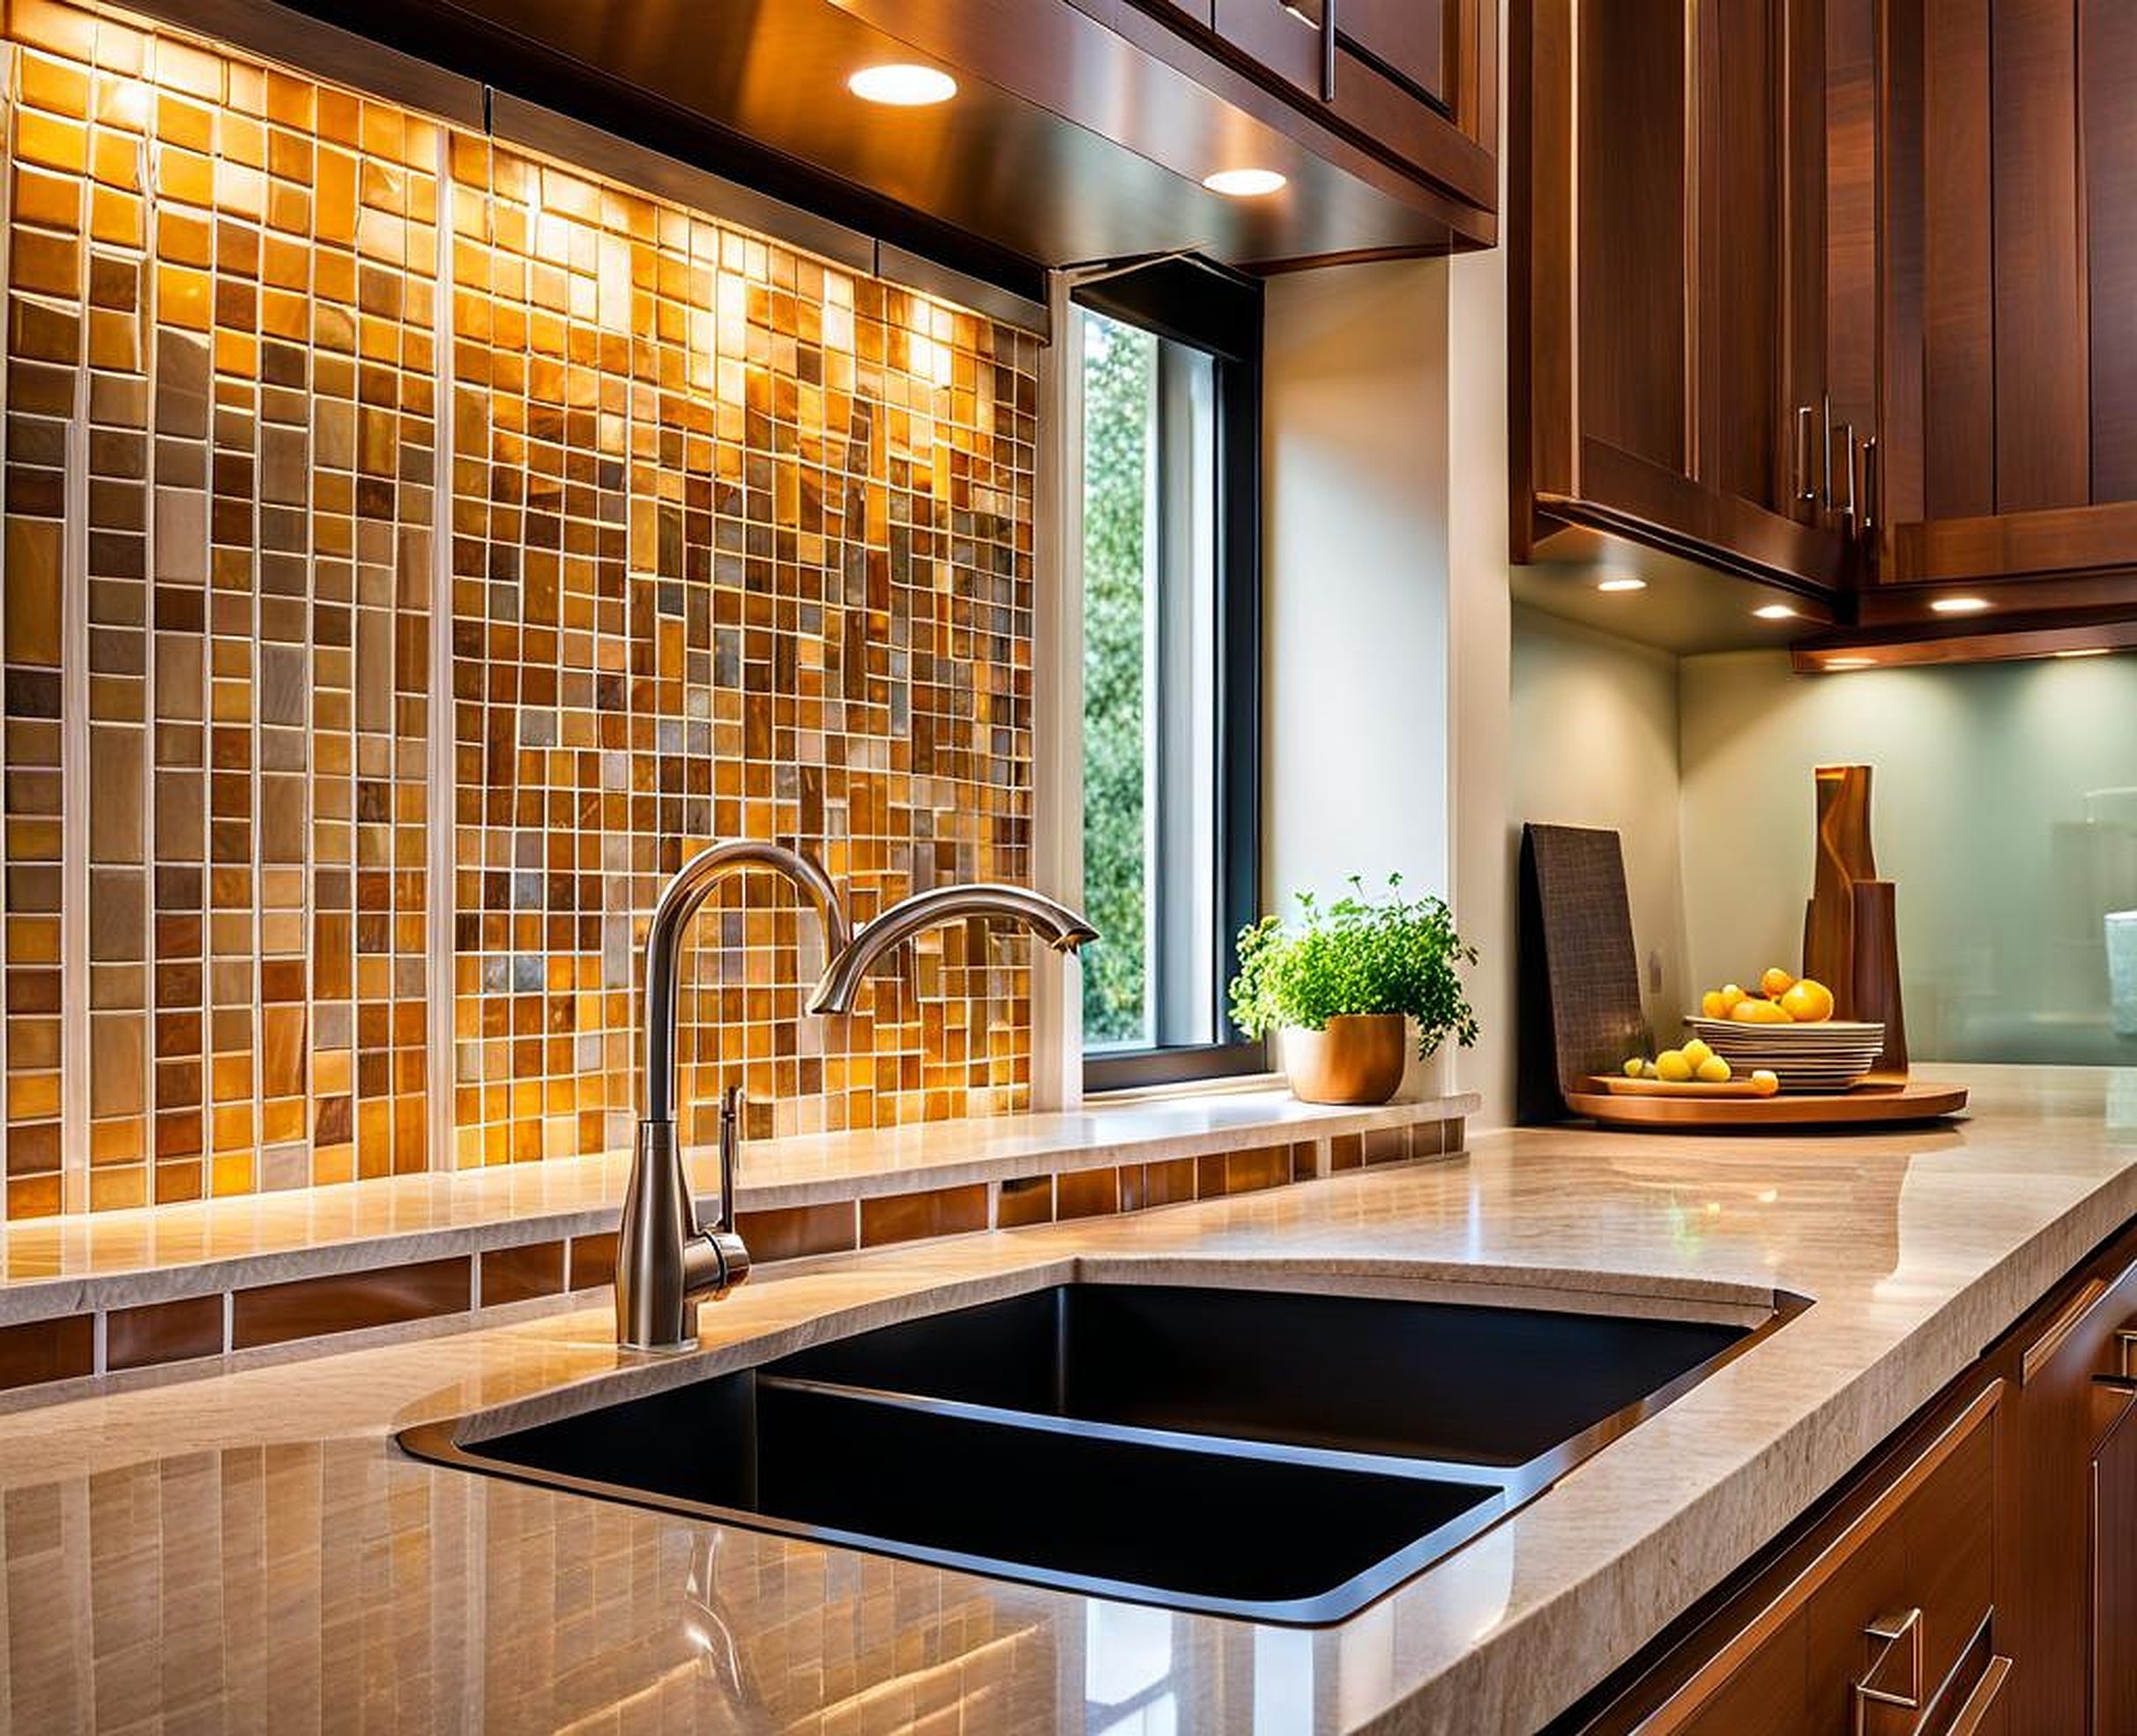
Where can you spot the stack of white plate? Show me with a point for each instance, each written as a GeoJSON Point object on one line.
{"type": "Point", "coordinates": [1827, 1057]}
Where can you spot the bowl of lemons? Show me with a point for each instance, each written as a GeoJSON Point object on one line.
{"type": "Point", "coordinates": [1787, 1028]}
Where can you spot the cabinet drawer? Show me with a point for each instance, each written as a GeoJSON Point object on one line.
{"type": "Point", "coordinates": [1889, 1629]}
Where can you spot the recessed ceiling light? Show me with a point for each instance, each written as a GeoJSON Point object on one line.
{"type": "Point", "coordinates": [2087, 651]}
{"type": "Point", "coordinates": [1959, 604]}
{"type": "Point", "coordinates": [1624, 582]}
{"type": "Point", "coordinates": [1850, 663]}
{"type": "Point", "coordinates": [1775, 612]}
{"type": "Point", "coordinates": [903, 86]}
{"type": "Point", "coordinates": [1244, 184]}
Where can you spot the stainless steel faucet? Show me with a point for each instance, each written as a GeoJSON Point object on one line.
{"type": "Point", "coordinates": [666, 1259]}
{"type": "Point", "coordinates": [1061, 927]}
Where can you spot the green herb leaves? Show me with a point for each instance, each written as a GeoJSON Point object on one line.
{"type": "Point", "coordinates": [1358, 955]}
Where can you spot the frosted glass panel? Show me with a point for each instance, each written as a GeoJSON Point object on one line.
{"type": "Point", "coordinates": [2005, 806]}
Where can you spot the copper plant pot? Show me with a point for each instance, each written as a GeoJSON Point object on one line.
{"type": "Point", "coordinates": [1359, 1058]}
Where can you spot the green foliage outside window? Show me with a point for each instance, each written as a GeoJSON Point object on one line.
{"type": "Point", "coordinates": [1118, 361]}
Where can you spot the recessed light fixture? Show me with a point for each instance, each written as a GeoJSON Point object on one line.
{"type": "Point", "coordinates": [1244, 184]}
{"type": "Point", "coordinates": [2087, 651]}
{"type": "Point", "coordinates": [1621, 582]}
{"type": "Point", "coordinates": [1850, 663]}
{"type": "Point", "coordinates": [1959, 604]}
{"type": "Point", "coordinates": [902, 86]}
{"type": "Point", "coordinates": [1775, 612]}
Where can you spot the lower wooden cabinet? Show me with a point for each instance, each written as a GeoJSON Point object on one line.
{"type": "Point", "coordinates": [1978, 1577]}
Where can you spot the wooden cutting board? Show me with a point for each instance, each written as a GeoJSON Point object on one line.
{"type": "Point", "coordinates": [1877, 1105]}
{"type": "Point", "coordinates": [1622, 1084]}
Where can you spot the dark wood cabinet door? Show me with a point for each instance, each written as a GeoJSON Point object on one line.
{"type": "Point", "coordinates": [2009, 202]}
{"type": "Point", "coordinates": [1406, 38]}
{"type": "Point", "coordinates": [1658, 283]}
{"type": "Point", "coordinates": [1287, 40]}
{"type": "Point", "coordinates": [2067, 1421]}
{"type": "Point", "coordinates": [2114, 1580]}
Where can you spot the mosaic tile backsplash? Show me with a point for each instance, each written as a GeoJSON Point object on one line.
{"type": "Point", "coordinates": [379, 494]}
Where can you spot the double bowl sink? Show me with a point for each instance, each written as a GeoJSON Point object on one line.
{"type": "Point", "coordinates": [1272, 1454]}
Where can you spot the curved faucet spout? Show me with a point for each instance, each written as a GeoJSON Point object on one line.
{"type": "Point", "coordinates": [1061, 927]}
{"type": "Point", "coordinates": [679, 902]}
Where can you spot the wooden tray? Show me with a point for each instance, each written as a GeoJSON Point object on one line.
{"type": "Point", "coordinates": [1623, 1084]}
{"type": "Point", "coordinates": [1866, 1106]}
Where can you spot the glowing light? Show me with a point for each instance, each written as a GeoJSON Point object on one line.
{"type": "Point", "coordinates": [1244, 184]}
{"type": "Point", "coordinates": [903, 87]}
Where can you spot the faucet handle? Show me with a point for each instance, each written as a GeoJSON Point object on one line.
{"type": "Point", "coordinates": [724, 1241]}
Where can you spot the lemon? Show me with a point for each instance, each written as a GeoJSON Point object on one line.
{"type": "Point", "coordinates": [1768, 1081]}
{"type": "Point", "coordinates": [1696, 1052]}
{"type": "Point", "coordinates": [1714, 1070]}
{"type": "Point", "coordinates": [1672, 1066]}
{"type": "Point", "coordinates": [1732, 997]}
{"type": "Point", "coordinates": [1753, 1011]}
{"type": "Point", "coordinates": [1808, 1002]}
{"type": "Point", "coordinates": [1775, 983]}
{"type": "Point", "coordinates": [1713, 1005]}
{"type": "Point", "coordinates": [1636, 1068]}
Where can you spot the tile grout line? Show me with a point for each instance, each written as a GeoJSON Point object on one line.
{"type": "Point", "coordinates": [439, 804]}
{"type": "Point", "coordinates": [75, 797]}
{"type": "Point", "coordinates": [10, 59]}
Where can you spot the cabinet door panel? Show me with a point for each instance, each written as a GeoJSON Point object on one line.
{"type": "Point", "coordinates": [1285, 39]}
{"type": "Point", "coordinates": [1958, 460]}
{"type": "Point", "coordinates": [2110, 121]}
{"type": "Point", "coordinates": [1630, 201]}
{"type": "Point", "coordinates": [2042, 424]}
{"type": "Point", "coordinates": [2063, 1415]}
{"type": "Point", "coordinates": [1407, 37]}
{"type": "Point", "coordinates": [1740, 268]}
{"type": "Point", "coordinates": [2114, 1580]}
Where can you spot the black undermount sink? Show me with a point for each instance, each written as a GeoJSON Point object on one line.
{"type": "Point", "coordinates": [1278, 1455]}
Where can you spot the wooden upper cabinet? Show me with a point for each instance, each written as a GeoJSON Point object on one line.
{"type": "Point", "coordinates": [1417, 78]}
{"type": "Point", "coordinates": [1664, 327]}
{"type": "Point", "coordinates": [2009, 275]}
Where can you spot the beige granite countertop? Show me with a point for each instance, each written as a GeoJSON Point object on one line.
{"type": "Point", "coordinates": [65, 1265]}
{"type": "Point", "coordinates": [248, 1551]}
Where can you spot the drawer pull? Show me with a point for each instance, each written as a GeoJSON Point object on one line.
{"type": "Point", "coordinates": [1898, 1632]}
{"type": "Point", "coordinates": [2116, 1382]}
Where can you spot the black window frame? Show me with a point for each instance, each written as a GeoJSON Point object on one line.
{"type": "Point", "coordinates": [1209, 307]}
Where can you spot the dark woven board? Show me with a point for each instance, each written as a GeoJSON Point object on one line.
{"type": "Point", "coordinates": [1578, 1009]}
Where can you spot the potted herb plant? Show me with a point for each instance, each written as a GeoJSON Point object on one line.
{"type": "Point", "coordinates": [1340, 986]}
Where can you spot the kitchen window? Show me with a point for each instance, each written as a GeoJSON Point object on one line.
{"type": "Point", "coordinates": [1170, 378]}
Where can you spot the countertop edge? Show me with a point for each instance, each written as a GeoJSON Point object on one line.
{"type": "Point", "coordinates": [83, 1264]}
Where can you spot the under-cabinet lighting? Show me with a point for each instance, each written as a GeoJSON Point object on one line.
{"type": "Point", "coordinates": [1959, 604]}
{"type": "Point", "coordinates": [1244, 184]}
{"type": "Point", "coordinates": [1775, 612]}
{"type": "Point", "coordinates": [1624, 582]}
{"type": "Point", "coordinates": [902, 86]}
{"type": "Point", "coordinates": [2088, 651]}
{"type": "Point", "coordinates": [1850, 663]}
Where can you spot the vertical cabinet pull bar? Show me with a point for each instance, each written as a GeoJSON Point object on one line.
{"type": "Point", "coordinates": [1868, 495]}
{"type": "Point", "coordinates": [1328, 50]}
{"type": "Point", "coordinates": [1846, 431]}
{"type": "Point", "coordinates": [1807, 455]}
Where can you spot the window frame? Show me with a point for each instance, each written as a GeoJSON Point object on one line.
{"type": "Point", "coordinates": [1209, 307]}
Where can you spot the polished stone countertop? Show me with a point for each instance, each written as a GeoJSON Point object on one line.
{"type": "Point", "coordinates": [118, 1259]}
{"type": "Point", "coordinates": [248, 1551]}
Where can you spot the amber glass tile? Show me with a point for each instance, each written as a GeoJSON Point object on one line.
{"type": "Point", "coordinates": [257, 671]}
{"type": "Point", "coordinates": [1087, 1193]}
{"type": "Point", "coordinates": [739, 544]}
{"type": "Point", "coordinates": [712, 577]}
{"type": "Point", "coordinates": [1024, 1199]}
{"type": "Point", "coordinates": [790, 1233]}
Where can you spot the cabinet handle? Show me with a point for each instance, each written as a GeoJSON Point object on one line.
{"type": "Point", "coordinates": [2125, 1383]}
{"type": "Point", "coordinates": [1328, 50]}
{"type": "Point", "coordinates": [1901, 1628]}
{"type": "Point", "coordinates": [1869, 485]}
{"type": "Point", "coordinates": [1846, 431]}
{"type": "Point", "coordinates": [1806, 454]}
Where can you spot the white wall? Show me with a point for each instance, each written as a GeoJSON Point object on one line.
{"type": "Point", "coordinates": [1355, 709]}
